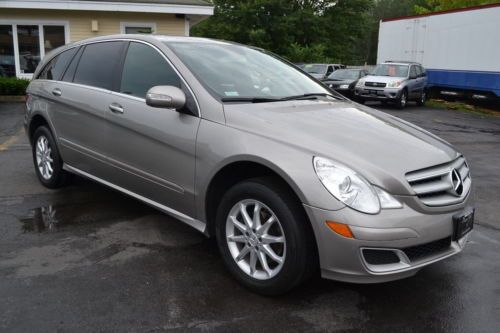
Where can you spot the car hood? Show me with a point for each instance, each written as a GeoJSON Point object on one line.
{"type": "Point", "coordinates": [317, 75]}
{"type": "Point", "coordinates": [382, 79]}
{"type": "Point", "coordinates": [330, 81]}
{"type": "Point", "coordinates": [379, 146]}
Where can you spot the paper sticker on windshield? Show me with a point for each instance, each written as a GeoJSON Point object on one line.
{"type": "Point", "coordinates": [231, 93]}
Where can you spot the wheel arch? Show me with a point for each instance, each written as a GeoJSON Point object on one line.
{"type": "Point", "coordinates": [235, 171]}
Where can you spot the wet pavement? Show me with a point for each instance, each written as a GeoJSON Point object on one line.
{"type": "Point", "coordinates": [87, 258]}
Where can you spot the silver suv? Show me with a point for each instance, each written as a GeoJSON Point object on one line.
{"type": "Point", "coordinates": [394, 82]}
{"type": "Point", "coordinates": [289, 177]}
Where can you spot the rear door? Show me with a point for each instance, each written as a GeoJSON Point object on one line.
{"type": "Point", "coordinates": [151, 149]}
{"type": "Point", "coordinates": [84, 95]}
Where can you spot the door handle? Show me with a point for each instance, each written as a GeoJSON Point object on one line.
{"type": "Point", "coordinates": [116, 108]}
{"type": "Point", "coordinates": [56, 92]}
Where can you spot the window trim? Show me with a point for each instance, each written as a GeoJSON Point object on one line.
{"type": "Point", "coordinates": [125, 25]}
{"type": "Point", "coordinates": [117, 66]}
{"type": "Point", "coordinates": [40, 23]}
{"type": "Point", "coordinates": [83, 44]}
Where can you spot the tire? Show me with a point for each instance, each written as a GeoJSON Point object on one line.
{"type": "Point", "coordinates": [291, 226]}
{"type": "Point", "coordinates": [402, 100]}
{"type": "Point", "coordinates": [46, 157]}
{"type": "Point", "coordinates": [423, 98]}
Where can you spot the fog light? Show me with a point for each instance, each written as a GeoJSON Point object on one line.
{"type": "Point", "coordinates": [340, 228]}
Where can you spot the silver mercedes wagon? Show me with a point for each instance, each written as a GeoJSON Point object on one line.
{"type": "Point", "coordinates": [290, 177]}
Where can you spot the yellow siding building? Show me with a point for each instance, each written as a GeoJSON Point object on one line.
{"type": "Point", "coordinates": [30, 29]}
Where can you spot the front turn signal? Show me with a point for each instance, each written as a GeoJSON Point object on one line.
{"type": "Point", "coordinates": [340, 228]}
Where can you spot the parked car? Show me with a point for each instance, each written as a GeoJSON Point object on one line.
{"type": "Point", "coordinates": [321, 71]}
{"type": "Point", "coordinates": [394, 82]}
{"type": "Point", "coordinates": [344, 80]}
{"type": "Point", "coordinates": [290, 177]}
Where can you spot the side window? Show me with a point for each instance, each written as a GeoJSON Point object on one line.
{"type": "Point", "coordinates": [70, 71]}
{"type": "Point", "coordinates": [98, 64]}
{"type": "Point", "coordinates": [418, 71]}
{"type": "Point", "coordinates": [413, 72]}
{"type": "Point", "coordinates": [55, 68]}
{"type": "Point", "coordinates": [145, 68]}
{"type": "Point", "coordinates": [329, 71]}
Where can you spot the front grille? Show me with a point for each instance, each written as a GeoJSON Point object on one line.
{"type": "Point", "coordinates": [375, 84]}
{"type": "Point", "coordinates": [380, 257]}
{"type": "Point", "coordinates": [426, 250]}
{"type": "Point", "coordinates": [441, 185]}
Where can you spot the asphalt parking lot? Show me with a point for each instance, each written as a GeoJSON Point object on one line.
{"type": "Point", "coordinates": [86, 258]}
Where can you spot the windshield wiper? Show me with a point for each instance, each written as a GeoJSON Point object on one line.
{"type": "Point", "coordinates": [308, 96]}
{"type": "Point", "coordinates": [250, 99]}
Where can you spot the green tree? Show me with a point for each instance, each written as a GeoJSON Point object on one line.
{"type": "Point", "coordinates": [438, 5]}
{"type": "Point", "coordinates": [300, 30]}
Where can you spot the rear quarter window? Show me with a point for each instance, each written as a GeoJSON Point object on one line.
{"type": "Point", "coordinates": [55, 68]}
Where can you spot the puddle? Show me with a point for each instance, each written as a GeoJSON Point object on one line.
{"type": "Point", "coordinates": [41, 219]}
{"type": "Point", "coordinates": [53, 218]}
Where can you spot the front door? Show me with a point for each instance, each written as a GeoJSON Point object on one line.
{"type": "Point", "coordinates": [152, 149]}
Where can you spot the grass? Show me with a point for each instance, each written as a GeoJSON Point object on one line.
{"type": "Point", "coordinates": [461, 106]}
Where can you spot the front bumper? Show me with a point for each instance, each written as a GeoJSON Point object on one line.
{"type": "Point", "coordinates": [395, 230]}
{"type": "Point", "coordinates": [379, 94]}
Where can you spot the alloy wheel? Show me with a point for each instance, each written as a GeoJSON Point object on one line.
{"type": "Point", "coordinates": [255, 239]}
{"type": "Point", "coordinates": [44, 159]}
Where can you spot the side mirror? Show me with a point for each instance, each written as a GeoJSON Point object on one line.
{"type": "Point", "coordinates": [169, 97]}
{"type": "Point", "coordinates": [413, 77]}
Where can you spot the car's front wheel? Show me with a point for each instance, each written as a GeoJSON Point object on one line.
{"type": "Point", "coordinates": [47, 160]}
{"type": "Point", "coordinates": [263, 236]}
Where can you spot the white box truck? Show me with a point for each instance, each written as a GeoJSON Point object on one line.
{"type": "Point", "coordinates": [459, 48]}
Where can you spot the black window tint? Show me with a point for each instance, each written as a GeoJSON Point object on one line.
{"type": "Point", "coordinates": [55, 68]}
{"type": "Point", "coordinates": [145, 68]}
{"type": "Point", "coordinates": [70, 71]}
{"type": "Point", "coordinates": [98, 63]}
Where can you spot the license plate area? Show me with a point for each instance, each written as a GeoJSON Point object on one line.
{"type": "Point", "coordinates": [463, 223]}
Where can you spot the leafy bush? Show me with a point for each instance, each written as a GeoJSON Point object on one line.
{"type": "Point", "coordinates": [12, 86]}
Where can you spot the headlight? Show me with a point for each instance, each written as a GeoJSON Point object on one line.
{"type": "Point", "coordinates": [394, 84]}
{"type": "Point", "coordinates": [344, 86]}
{"type": "Point", "coordinates": [347, 186]}
{"type": "Point", "coordinates": [351, 188]}
{"type": "Point", "coordinates": [360, 83]}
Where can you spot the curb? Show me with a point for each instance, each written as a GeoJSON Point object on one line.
{"type": "Point", "coordinates": [12, 99]}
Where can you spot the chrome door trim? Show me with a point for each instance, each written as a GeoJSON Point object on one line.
{"type": "Point", "coordinates": [157, 50]}
{"type": "Point", "coordinates": [196, 224]}
{"type": "Point", "coordinates": [122, 166]}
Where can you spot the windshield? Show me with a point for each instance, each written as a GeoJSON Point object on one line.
{"type": "Point", "coordinates": [314, 69]}
{"type": "Point", "coordinates": [345, 74]}
{"type": "Point", "coordinates": [391, 70]}
{"type": "Point", "coordinates": [235, 71]}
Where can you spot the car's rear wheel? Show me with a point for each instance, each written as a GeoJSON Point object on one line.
{"type": "Point", "coordinates": [423, 98]}
{"type": "Point", "coordinates": [47, 160]}
{"type": "Point", "coordinates": [402, 100]}
{"type": "Point", "coordinates": [263, 236]}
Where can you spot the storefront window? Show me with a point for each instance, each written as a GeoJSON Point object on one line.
{"type": "Point", "coordinates": [7, 63]}
{"type": "Point", "coordinates": [28, 38]}
{"type": "Point", "coordinates": [53, 37]}
{"type": "Point", "coordinates": [20, 56]}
